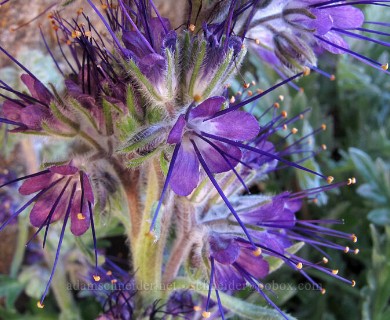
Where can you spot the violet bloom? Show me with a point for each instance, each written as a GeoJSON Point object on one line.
{"type": "Point", "coordinates": [28, 111]}
{"type": "Point", "coordinates": [218, 156]}
{"type": "Point", "coordinates": [289, 35]}
{"type": "Point", "coordinates": [61, 193]}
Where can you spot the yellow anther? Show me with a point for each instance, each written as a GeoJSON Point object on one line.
{"type": "Point", "coordinates": [276, 105]}
{"type": "Point", "coordinates": [257, 252]}
{"type": "Point", "coordinates": [385, 66]}
{"type": "Point", "coordinates": [104, 7]}
{"type": "Point", "coordinates": [243, 46]}
{"type": "Point", "coordinates": [353, 283]}
{"type": "Point", "coordinates": [197, 308]}
{"type": "Point", "coordinates": [206, 314]}
{"type": "Point", "coordinates": [284, 114]}
{"type": "Point", "coordinates": [80, 216]}
{"type": "Point", "coordinates": [294, 130]}
{"type": "Point", "coordinates": [197, 97]}
{"type": "Point", "coordinates": [356, 251]}
{"type": "Point", "coordinates": [301, 90]}
{"type": "Point", "coordinates": [76, 34]}
{"type": "Point", "coordinates": [299, 265]}
{"type": "Point", "coordinates": [315, 200]}
{"type": "Point", "coordinates": [253, 82]}
{"type": "Point", "coordinates": [109, 273]}
{"type": "Point", "coordinates": [332, 77]}
{"type": "Point", "coordinates": [306, 71]}
{"type": "Point", "coordinates": [239, 93]}
{"type": "Point", "coordinates": [191, 27]}
{"type": "Point", "coordinates": [259, 90]}
{"type": "Point", "coordinates": [323, 126]}
{"type": "Point", "coordinates": [335, 271]}
{"type": "Point", "coordinates": [354, 238]}
{"type": "Point", "coordinates": [261, 286]}
{"type": "Point", "coordinates": [80, 11]}
{"type": "Point", "coordinates": [324, 147]}
{"type": "Point", "coordinates": [149, 234]}
{"type": "Point", "coordinates": [325, 260]}
{"type": "Point", "coordinates": [329, 179]}
{"type": "Point", "coordinates": [40, 305]}
{"type": "Point", "coordinates": [281, 98]}
{"type": "Point", "coordinates": [285, 127]}
{"type": "Point", "coordinates": [246, 85]}
{"type": "Point", "coordinates": [301, 116]}
{"type": "Point", "coordinates": [250, 93]}
{"type": "Point", "coordinates": [88, 34]}
{"type": "Point", "coordinates": [257, 41]}
{"type": "Point", "coordinates": [113, 281]}
{"type": "Point", "coordinates": [346, 250]}
{"type": "Point", "coordinates": [232, 99]}
{"type": "Point", "coordinates": [323, 291]}
{"type": "Point", "coordinates": [96, 278]}
{"type": "Point", "coordinates": [68, 42]}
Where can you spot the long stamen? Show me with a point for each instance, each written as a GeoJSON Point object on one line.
{"type": "Point", "coordinates": [59, 243]}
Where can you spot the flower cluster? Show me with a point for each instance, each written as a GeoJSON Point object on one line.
{"type": "Point", "coordinates": [147, 115]}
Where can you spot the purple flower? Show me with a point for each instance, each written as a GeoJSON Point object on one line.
{"type": "Point", "coordinates": [218, 156]}
{"type": "Point", "coordinates": [288, 36]}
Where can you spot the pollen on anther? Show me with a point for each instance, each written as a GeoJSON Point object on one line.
{"type": "Point", "coordinates": [346, 250]}
{"type": "Point", "coordinates": [385, 66]}
{"type": "Point", "coordinates": [76, 34]}
{"type": "Point", "coordinates": [306, 71]}
{"type": "Point", "coordinates": [80, 216]}
{"type": "Point", "coordinates": [96, 278]}
{"type": "Point", "coordinates": [261, 286]}
{"type": "Point", "coordinates": [329, 179]}
{"type": "Point", "coordinates": [197, 98]}
{"type": "Point", "coordinates": [323, 147]}
{"type": "Point", "coordinates": [113, 281]}
{"type": "Point", "coordinates": [294, 130]}
{"type": "Point", "coordinates": [109, 273]}
{"type": "Point", "coordinates": [191, 27]}
{"type": "Point", "coordinates": [257, 252]}
{"type": "Point", "coordinates": [206, 314]}
{"type": "Point", "coordinates": [354, 238]}
{"type": "Point", "coordinates": [257, 41]}
{"type": "Point", "coordinates": [356, 251]}
{"type": "Point", "coordinates": [284, 114]}
{"type": "Point", "coordinates": [301, 116]}
{"type": "Point", "coordinates": [284, 127]}
{"type": "Point", "coordinates": [353, 283]}
{"type": "Point", "coordinates": [335, 271]}
{"type": "Point", "coordinates": [332, 77]}
{"type": "Point", "coordinates": [276, 105]}
{"type": "Point", "coordinates": [197, 308]}
{"type": "Point", "coordinates": [246, 85]}
{"type": "Point", "coordinates": [40, 305]}
{"type": "Point", "coordinates": [325, 260]}
{"type": "Point", "coordinates": [249, 93]}
{"type": "Point", "coordinates": [104, 7]}
{"type": "Point", "coordinates": [88, 34]}
{"type": "Point", "coordinates": [80, 11]}
{"type": "Point", "coordinates": [323, 291]}
{"type": "Point", "coordinates": [232, 99]}
{"type": "Point", "coordinates": [259, 90]}
{"type": "Point", "coordinates": [299, 265]}
{"type": "Point", "coordinates": [323, 126]}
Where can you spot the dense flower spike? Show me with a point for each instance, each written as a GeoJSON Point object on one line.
{"type": "Point", "coordinates": [149, 120]}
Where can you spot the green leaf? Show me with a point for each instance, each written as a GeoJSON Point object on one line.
{"type": "Point", "coordinates": [380, 216]}
{"type": "Point", "coordinates": [10, 289]}
{"type": "Point", "coordinates": [363, 163]}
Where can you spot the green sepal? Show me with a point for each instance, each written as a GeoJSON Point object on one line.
{"type": "Point", "coordinates": [198, 63]}
{"type": "Point", "coordinates": [76, 105]}
{"type": "Point", "coordinates": [164, 164]}
{"type": "Point", "coordinates": [52, 132]}
{"type": "Point", "coordinates": [63, 118]}
{"type": "Point", "coordinates": [139, 139]}
{"type": "Point", "coordinates": [136, 162]}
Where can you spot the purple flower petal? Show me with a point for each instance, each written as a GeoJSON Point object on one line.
{"type": "Point", "coordinates": [227, 278]}
{"type": "Point", "coordinates": [272, 241]}
{"type": "Point", "coordinates": [11, 111]}
{"type": "Point", "coordinates": [35, 184]}
{"type": "Point", "coordinates": [36, 88]}
{"type": "Point", "coordinates": [236, 125]}
{"type": "Point", "coordinates": [345, 17]}
{"type": "Point", "coordinates": [185, 174]}
{"type": "Point", "coordinates": [33, 115]}
{"type": "Point", "coordinates": [336, 39]}
{"type": "Point", "coordinates": [42, 207]}
{"type": "Point", "coordinates": [222, 249]}
{"type": "Point", "coordinates": [153, 67]}
{"type": "Point", "coordinates": [79, 221]}
{"type": "Point", "coordinates": [255, 266]}
{"type": "Point", "coordinates": [64, 170]}
{"type": "Point", "coordinates": [214, 159]}
{"type": "Point", "coordinates": [176, 133]}
{"type": "Point", "coordinates": [88, 191]}
{"type": "Point", "coordinates": [207, 108]}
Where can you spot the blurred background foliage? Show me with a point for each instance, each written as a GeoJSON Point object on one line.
{"type": "Point", "coordinates": [356, 109]}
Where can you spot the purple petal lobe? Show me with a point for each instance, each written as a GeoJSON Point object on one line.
{"type": "Point", "coordinates": [222, 249]}
{"type": "Point", "coordinates": [79, 221]}
{"type": "Point", "coordinates": [11, 111]}
{"type": "Point", "coordinates": [36, 88]}
{"type": "Point", "coordinates": [33, 115]}
{"type": "Point", "coordinates": [153, 67]}
{"type": "Point", "coordinates": [346, 17]}
{"type": "Point", "coordinates": [227, 278]}
{"type": "Point", "coordinates": [207, 108]}
{"type": "Point", "coordinates": [185, 174]}
{"type": "Point", "coordinates": [34, 184]}
{"type": "Point", "coordinates": [88, 191]}
{"type": "Point", "coordinates": [255, 266]}
{"type": "Point", "coordinates": [336, 39]}
{"type": "Point", "coordinates": [235, 125]}
{"type": "Point", "coordinates": [176, 133]}
{"type": "Point", "coordinates": [64, 170]}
